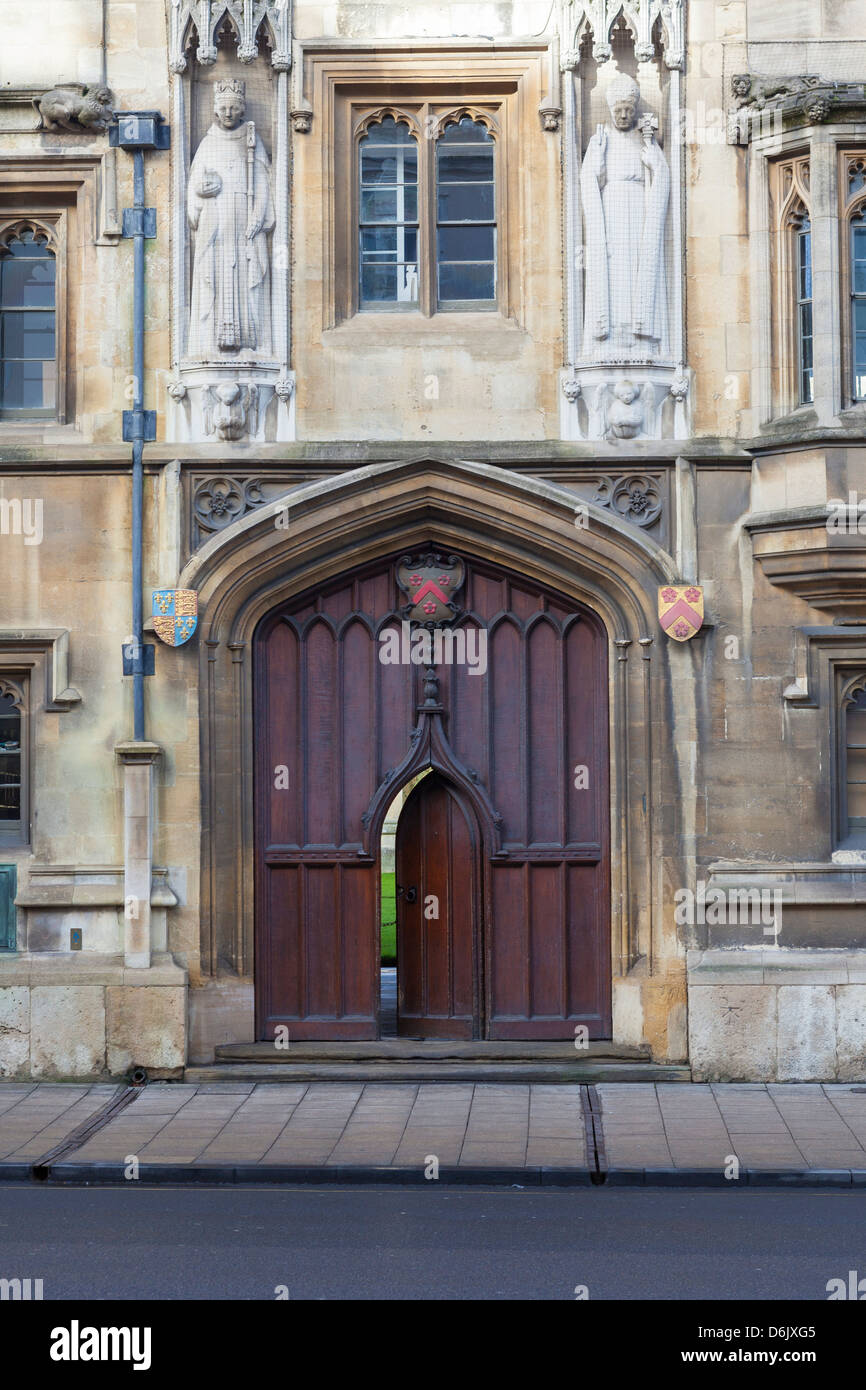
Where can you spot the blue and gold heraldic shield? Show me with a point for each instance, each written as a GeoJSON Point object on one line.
{"type": "Point", "coordinates": [175, 615]}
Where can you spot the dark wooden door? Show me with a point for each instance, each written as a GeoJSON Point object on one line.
{"type": "Point", "coordinates": [333, 723]}
{"type": "Point", "coordinates": [438, 912]}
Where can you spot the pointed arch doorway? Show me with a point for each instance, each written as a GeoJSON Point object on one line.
{"type": "Point", "coordinates": [516, 841]}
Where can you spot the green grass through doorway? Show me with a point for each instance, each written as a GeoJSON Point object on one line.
{"type": "Point", "coordinates": [389, 919]}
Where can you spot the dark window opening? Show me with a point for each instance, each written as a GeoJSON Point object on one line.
{"type": "Point", "coordinates": [28, 338]}
{"type": "Point", "coordinates": [10, 760]}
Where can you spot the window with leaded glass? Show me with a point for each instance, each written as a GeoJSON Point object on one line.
{"type": "Point", "coordinates": [426, 197]}
{"type": "Point", "coordinates": [465, 215]}
{"type": "Point", "coordinates": [388, 175]}
{"type": "Point", "coordinates": [28, 336]}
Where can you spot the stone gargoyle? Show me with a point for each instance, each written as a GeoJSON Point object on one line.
{"type": "Point", "coordinates": [76, 108]}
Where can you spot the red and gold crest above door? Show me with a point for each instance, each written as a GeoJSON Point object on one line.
{"type": "Point", "coordinates": [431, 582]}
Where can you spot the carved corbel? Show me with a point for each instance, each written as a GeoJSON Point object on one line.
{"type": "Point", "coordinates": [230, 410]}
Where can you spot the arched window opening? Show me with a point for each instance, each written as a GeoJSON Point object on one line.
{"type": "Point", "coordinates": [465, 215]}
{"type": "Point", "coordinates": [28, 336]}
{"type": "Point", "coordinates": [10, 759]}
{"type": "Point", "coordinates": [388, 175]}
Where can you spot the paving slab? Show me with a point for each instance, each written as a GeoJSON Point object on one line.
{"type": "Point", "coordinates": [649, 1133]}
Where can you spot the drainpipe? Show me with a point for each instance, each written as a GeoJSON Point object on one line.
{"type": "Point", "coordinates": [135, 132]}
{"type": "Point", "coordinates": [138, 432]}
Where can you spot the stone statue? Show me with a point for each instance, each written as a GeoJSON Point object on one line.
{"type": "Point", "coordinates": [625, 186]}
{"type": "Point", "coordinates": [231, 211]}
{"type": "Point", "coordinates": [75, 108]}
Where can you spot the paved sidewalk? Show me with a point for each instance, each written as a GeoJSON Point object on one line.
{"type": "Point", "coordinates": [482, 1131]}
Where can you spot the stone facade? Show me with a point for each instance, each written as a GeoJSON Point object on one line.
{"type": "Point", "coordinates": [683, 435]}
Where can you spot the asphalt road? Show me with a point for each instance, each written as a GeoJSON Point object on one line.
{"type": "Point", "coordinates": [173, 1243]}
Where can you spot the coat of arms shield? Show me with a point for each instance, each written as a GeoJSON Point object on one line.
{"type": "Point", "coordinates": [175, 615]}
{"type": "Point", "coordinates": [681, 610]}
{"type": "Point", "coordinates": [430, 582]}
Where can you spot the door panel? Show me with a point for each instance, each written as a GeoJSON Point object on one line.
{"type": "Point", "coordinates": [437, 858]}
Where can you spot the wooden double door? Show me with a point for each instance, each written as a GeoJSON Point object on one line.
{"type": "Point", "coordinates": [502, 851]}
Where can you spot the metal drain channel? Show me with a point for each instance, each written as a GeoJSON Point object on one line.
{"type": "Point", "coordinates": [590, 1102]}
{"type": "Point", "coordinates": [41, 1169]}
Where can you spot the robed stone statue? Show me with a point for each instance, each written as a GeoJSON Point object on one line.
{"type": "Point", "coordinates": [625, 187]}
{"type": "Point", "coordinates": [230, 209]}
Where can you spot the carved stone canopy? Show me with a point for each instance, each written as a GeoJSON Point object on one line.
{"type": "Point", "coordinates": [248, 21]}
{"type": "Point", "coordinates": [644, 18]}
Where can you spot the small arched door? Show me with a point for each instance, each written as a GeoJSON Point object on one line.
{"type": "Point", "coordinates": [438, 914]}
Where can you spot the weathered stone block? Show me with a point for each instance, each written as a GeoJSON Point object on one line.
{"type": "Point", "coordinates": [14, 1030]}
{"type": "Point", "coordinates": [732, 1032]}
{"type": "Point", "coordinates": [67, 1026]}
{"type": "Point", "coordinates": [806, 1033]}
{"type": "Point", "coordinates": [851, 1032]}
{"type": "Point", "coordinates": [145, 1028]}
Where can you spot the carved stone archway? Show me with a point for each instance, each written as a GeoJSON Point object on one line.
{"type": "Point", "coordinates": [537, 529]}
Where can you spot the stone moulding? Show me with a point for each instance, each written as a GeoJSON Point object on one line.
{"type": "Point", "coordinates": [764, 105]}
{"type": "Point", "coordinates": [816, 650]}
{"type": "Point", "coordinates": [797, 551]}
{"type": "Point", "coordinates": [52, 644]}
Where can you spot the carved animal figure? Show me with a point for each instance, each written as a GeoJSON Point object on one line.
{"type": "Point", "coordinates": [757, 91]}
{"type": "Point", "coordinates": [76, 108]}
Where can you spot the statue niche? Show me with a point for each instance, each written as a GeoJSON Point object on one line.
{"type": "Point", "coordinates": [231, 212]}
{"type": "Point", "coordinates": [625, 188]}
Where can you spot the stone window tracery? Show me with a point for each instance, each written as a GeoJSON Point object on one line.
{"type": "Point", "coordinates": [794, 329]}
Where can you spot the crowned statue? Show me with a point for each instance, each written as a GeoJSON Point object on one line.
{"type": "Point", "coordinates": [230, 210]}
{"type": "Point", "coordinates": [625, 188]}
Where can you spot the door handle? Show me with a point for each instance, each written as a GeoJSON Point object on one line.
{"type": "Point", "coordinates": [411, 893]}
